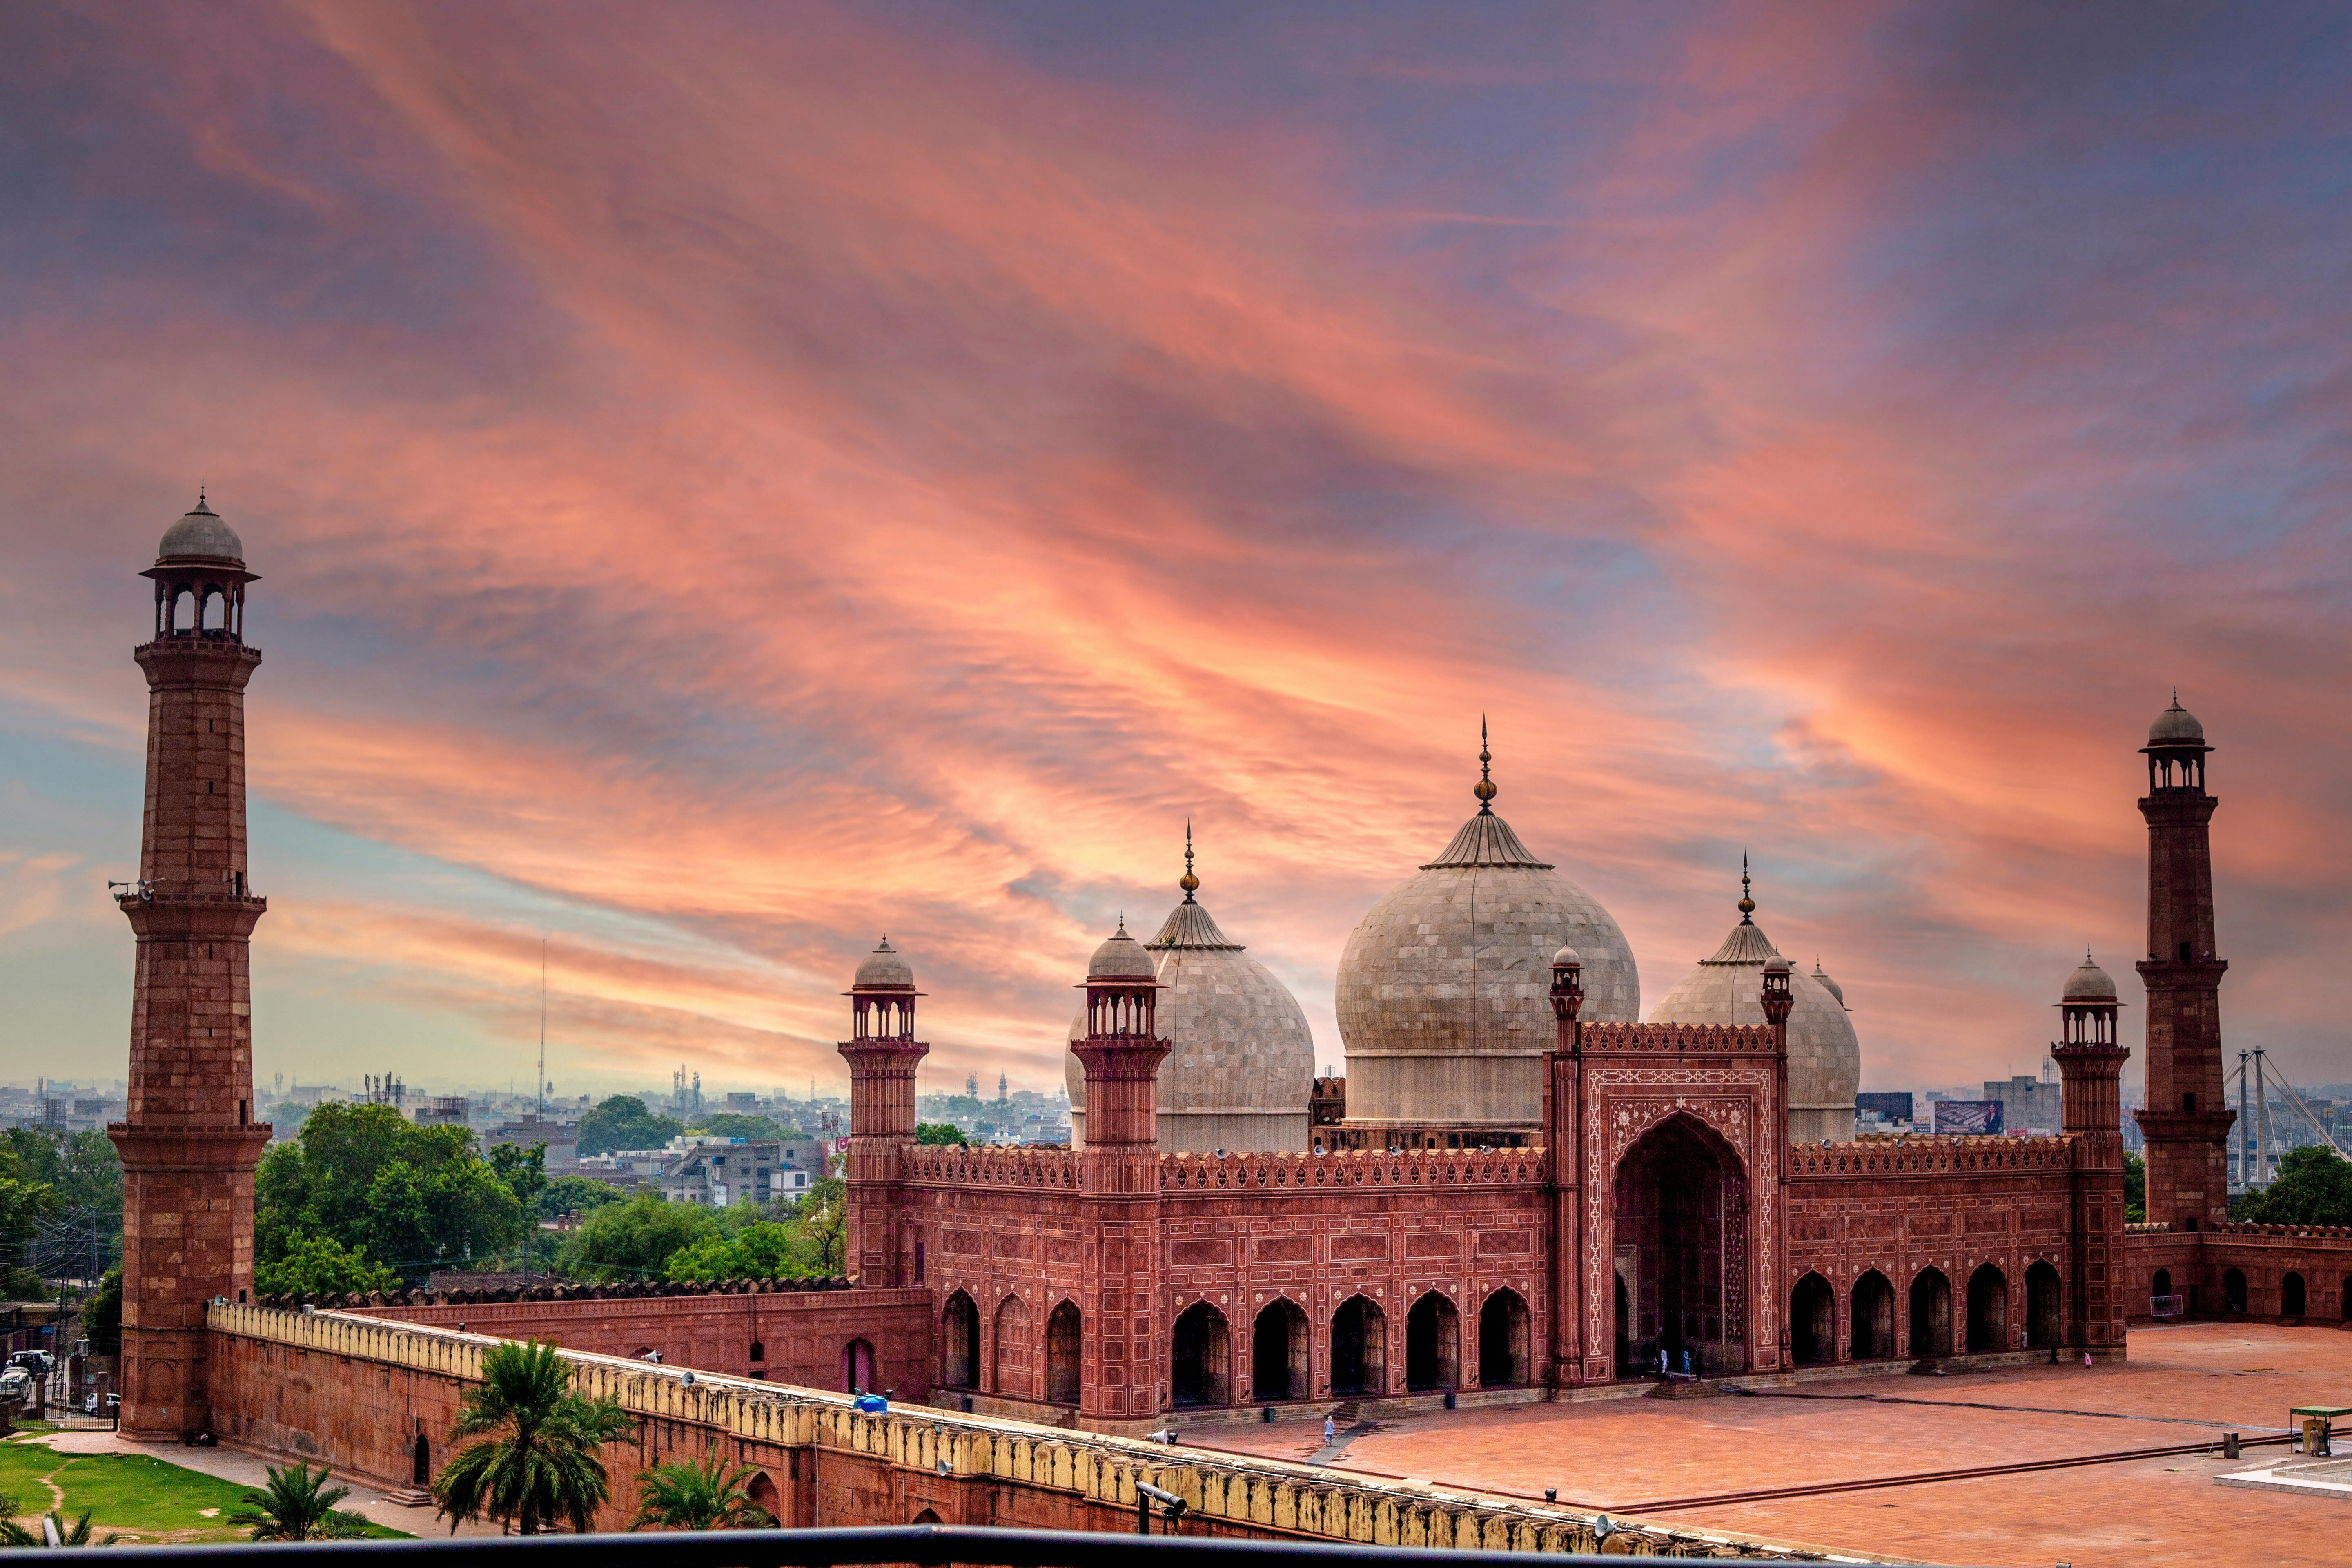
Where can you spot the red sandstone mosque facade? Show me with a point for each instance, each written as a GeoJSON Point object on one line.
{"type": "Point", "coordinates": [1523, 1189]}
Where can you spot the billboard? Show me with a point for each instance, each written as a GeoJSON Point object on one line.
{"type": "Point", "coordinates": [1967, 1117]}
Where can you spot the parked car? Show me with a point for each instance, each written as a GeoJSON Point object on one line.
{"type": "Point", "coordinates": [15, 1382]}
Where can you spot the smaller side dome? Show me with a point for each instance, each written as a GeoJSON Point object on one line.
{"type": "Point", "coordinates": [1831, 986]}
{"type": "Point", "coordinates": [2176, 726]}
{"type": "Point", "coordinates": [1566, 956]}
{"type": "Point", "coordinates": [200, 533]}
{"type": "Point", "coordinates": [2089, 983]}
{"type": "Point", "coordinates": [1120, 958]}
{"type": "Point", "coordinates": [886, 966]}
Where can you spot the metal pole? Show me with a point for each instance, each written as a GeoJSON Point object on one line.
{"type": "Point", "coordinates": [2245, 1129]}
{"type": "Point", "coordinates": [2262, 1151]}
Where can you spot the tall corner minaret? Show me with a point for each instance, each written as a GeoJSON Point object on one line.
{"type": "Point", "coordinates": [190, 1142]}
{"type": "Point", "coordinates": [2187, 1119]}
{"type": "Point", "coordinates": [882, 1053]}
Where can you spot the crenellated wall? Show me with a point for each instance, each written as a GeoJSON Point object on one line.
{"type": "Point", "coordinates": [357, 1392]}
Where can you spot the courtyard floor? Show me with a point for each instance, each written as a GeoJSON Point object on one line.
{"type": "Point", "coordinates": [2185, 1384]}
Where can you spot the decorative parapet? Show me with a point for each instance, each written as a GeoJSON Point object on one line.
{"type": "Point", "coordinates": [1677, 1039]}
{"type": "Point", "coordinates": [2310, 1232]}
{"type": "Point", "coordinates": [616, 1290]}
{"type": "Point", "coordinates": [1936, 1155]}
{"type": "Point", "coordinates": [990, 1167]}
{"type": "Point", "coordinates": [1298, 1501]}
{"type": "Point", "coordinates": [2148, 1227]}
{"type": "Point", "coordinates": [1304, 1172]}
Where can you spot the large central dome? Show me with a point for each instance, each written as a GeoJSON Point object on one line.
{"type": "Point", "coordinates": [1445, 987]}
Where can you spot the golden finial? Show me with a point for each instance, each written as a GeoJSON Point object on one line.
{"type": "Point", "coordinates": [1747, 904]}
{"type": "Point", "coordinates": [1189, 882]}
{"type": "Point", "coordinates": [1485, 788]}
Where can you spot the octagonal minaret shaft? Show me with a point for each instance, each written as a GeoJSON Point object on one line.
{"type": "Point", "coordinates": [189, 1140]}
{"type": "Point", "coordinates": [2187, 1119]}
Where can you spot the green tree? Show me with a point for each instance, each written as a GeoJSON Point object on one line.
{"type": "Point", "coordinates": [2314, 1187]}
{"type": "Point", "coordinates": [711, 1495]}
{"type": "Point", "coordinates": [376, 1183]}
{"type": "Point", "coordinates": [317, 1266]}
{"type": "Point", "coordinates": [763, 1250]}
{"type": "Point", "coordinates": [736, 1124]}
{"type": "Point", "coordinates": [822, 1215]}
{"type": "Point", "coordinates": [573, 1194]}
{"type": "Point", "coordinates": [523, 1173]}
{"type": "Point", "coordinates": [941, 1132]}
{"type": "Point", "coordinates": [286, 1118]}
{"type": "Point", "coordinates": [623, 1122]}
{"type": "Point", "coordinates": [537, 1461]}
{"type": "Point", "coordinates": [633, 1240]}
{"type": "Point", "coordinates": [25, 1200]}
{"type": "Point", "coordinates": [104, 1322]}
{"type": "Point", "coordinates": [2135, 1189]}
{"type": "Point", "coordinates": [298, 1506]}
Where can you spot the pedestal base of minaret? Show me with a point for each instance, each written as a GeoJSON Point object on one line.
{"type": "Point", "coordinates": [187, 1239]}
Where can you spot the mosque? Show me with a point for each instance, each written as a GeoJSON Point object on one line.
{"type": "Point", "coordinates": [1523, 1187]}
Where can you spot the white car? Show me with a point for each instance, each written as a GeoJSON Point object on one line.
{"type": "Point", "coordinates": [15, 1383]}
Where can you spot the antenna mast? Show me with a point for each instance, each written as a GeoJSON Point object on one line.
{"type": "Point", "coordinates": [542, 1025]}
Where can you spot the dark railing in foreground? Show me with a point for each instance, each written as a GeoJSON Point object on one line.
{"type": "Point", "coordinates": [931, 1545]}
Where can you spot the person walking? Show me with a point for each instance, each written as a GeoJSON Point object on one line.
{"type": "Point", "coordinates": [1329, 1430]}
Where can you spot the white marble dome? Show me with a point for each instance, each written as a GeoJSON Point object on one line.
{"type": "Point", "coordinates": [2089, 983]}
{"type": "Point", "coordinates": [1824, 1056]}
{"type": "Point", "coordinates": [1241, 1062]}
{"type": "Point", "coordinates": [201, 534]}
{"type": "Point", "coordinates": [1444, 990]}
{"type": "Point", "coordinates": [886, 966]}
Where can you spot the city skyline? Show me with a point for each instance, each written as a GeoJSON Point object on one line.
{"type": "Point", "coordinates": [726, 492]}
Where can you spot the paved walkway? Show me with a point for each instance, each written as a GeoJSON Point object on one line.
{"type": "Point", "coordinates": [250, 1469]}
{"type": "Point", "coordinates": [2182, 1384]}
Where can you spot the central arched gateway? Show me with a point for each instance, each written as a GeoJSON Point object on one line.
{"type": "Point", "coordinates": [1681, 1225]}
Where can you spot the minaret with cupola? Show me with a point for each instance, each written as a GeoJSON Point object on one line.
{"type": "Point", "coordinates": [189, 1140]}
{"type": "Point", "coordinates": [2187, 1119]}
{"type": "Point", "coordinates": [882, 1052]}
{"type": "Point", "coordinates": [2091, 1062]}
{"type": "Point", "coordinates": [1123, 1354]}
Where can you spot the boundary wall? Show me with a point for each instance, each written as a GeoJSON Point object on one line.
{"type": "Point", "coordinates": [359, 1393]}
{"type": "Point", "coordinates": [796, 1335]}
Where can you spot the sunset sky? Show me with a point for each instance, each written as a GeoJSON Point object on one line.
{"type": "Point", "coordinates": [729, 481]}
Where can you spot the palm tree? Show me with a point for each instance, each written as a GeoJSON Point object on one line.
{"type": "Point", "coordinates": [300, 1506]}
{"type": "Point", "coordinates": [538, 1462]}
{"type": "Point", "coordinates": [54, 1531]}
{"type": "Point", "coordinates": [681, 1495]}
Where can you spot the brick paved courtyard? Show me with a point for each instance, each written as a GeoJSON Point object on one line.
{"type": "Point", "coordinates": [2182, 1384]}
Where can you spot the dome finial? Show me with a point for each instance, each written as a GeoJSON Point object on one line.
{"type": "Point", "coordinates": [1747, 904]}
{"type": "Point", "coordinates": [1189, 882]}
{"type": "Point", "coordinates": [1485, 788]}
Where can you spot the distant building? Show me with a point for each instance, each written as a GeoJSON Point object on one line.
{"type": "Point", "coordinates": [562, 1138]}
{"type": "Point", "coordinates": [1884, 1105]}
{"type": "Point", "coordinates": [728, 1173]}
{"type": "Point", "coordinates": [2027, 1104]}
{"type": "Point", "coordinates": [444, 1110]}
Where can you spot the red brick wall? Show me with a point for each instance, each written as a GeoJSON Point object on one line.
{"type": "Point", "coordinates": [802, 1333]}
{"type": "Point", "coordinates": [1951, 1204]}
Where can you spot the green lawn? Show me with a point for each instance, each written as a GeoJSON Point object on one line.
{"type": "Point", "coordinates": [134, 1495]}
